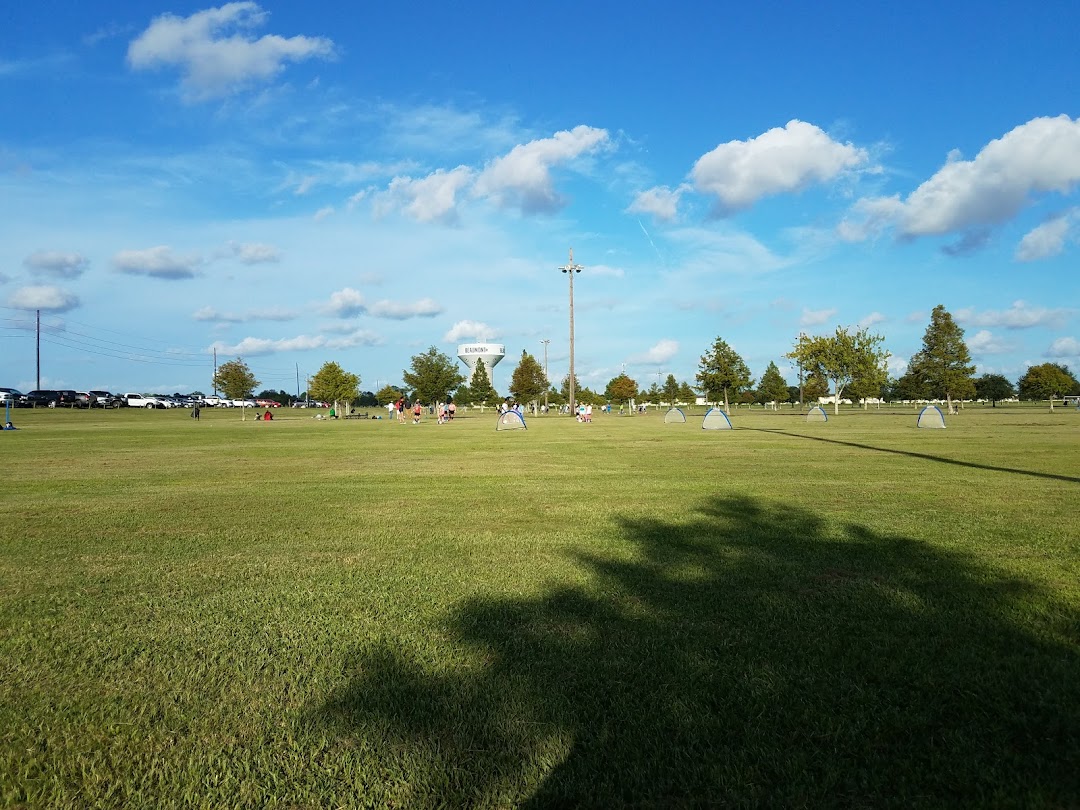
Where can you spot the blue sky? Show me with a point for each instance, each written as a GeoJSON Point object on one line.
{"type": "Point", "coordinates": [296, 183]}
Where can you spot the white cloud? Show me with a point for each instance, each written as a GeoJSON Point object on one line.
{"type": "Point", "coordinates": [270, 314]}
{"type": "Point", "coordinates": [428, 199]}
{"type": "Point", "coordinates": [424, 308]}
{"type": "Point", "coordinates": [56, 263]}
{"type": "Point", "coordinates": [1038, 157]}
{"type": "Point", "coordinates": [470, 330]}
{"type": "Point", "coordinates": [254, 252]}
{"type": "Point", "coordinates": [1019, 316]}
{"type": "Point", "coordinates": [985, 342]}
{"type": "Point", "coordinates": [215, 52]}
{"type": "Point", "coordinates": [1064, 347]}
{"type": "Point", "coordinates": [44, 297]}
{"type": "Point", "coordinates": [739, 173]}
{"type": "Point", "coordinates": [1044, 241]}
{"type": "Point", "coordinates": [815, 317]}
{"type": "Point", "coordinates": [522, 178]}
{"type": "Point", "coordinates": [659, 354]}
{"type": "Point", "coordinates": [255, 346]}
{"type": "Point", "coordinates": [157, 262]}
{"type": "Point", "coordinates": [871, 319]}
{"type": "Point", "coordinates": [323, 213]}
{"type": "Point", "coordinates": [345, 303]}
{"type": "Point", "coordinates": [358, 337]}
{"type": "Point", "coordinates": [660, 202]}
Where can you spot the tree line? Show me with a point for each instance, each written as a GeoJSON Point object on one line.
{"type": "Point", "coordinates": [847, 363]}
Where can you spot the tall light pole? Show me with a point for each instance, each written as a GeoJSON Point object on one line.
{"type": "Point", "coordinates": [570, 268]}
{"type": "Point", "coordinates": [547, 380]}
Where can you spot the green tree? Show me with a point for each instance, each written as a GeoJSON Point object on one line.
{"type": "Point", "coordinates": [332, 383]}
{"type": "Point", "coordinates": [843, 358]}
{"type": "Point", "coordinates": [943, 363]}
{"type": "Point", "coordinates": [815, 386]}
{"type": "Point", "coordinates": [528, 383]}
{"type": "Point", "coordinates": [235, 380]}
{"type": "Point", "coordinates": [564, 390]}
{"type": "Point", "coordinates": [909, 387]}
{"type": "Point", "coordinates": [671, 390]}
{"type": "Point", "coordinates": [1046, 381]}
{"type": "Point", "coordinates": [481, 391]}
{"type": "Point", "coordinates": [687, 394]}
{"type": "Point", "coordinates": [621, 389]}
{"type": "Point", "coordinates": [388, 394]}
{"type": "Point", "coordinates": [653, 395]}
{"type": "Point", "coordinates": [432, 377]}
{"type": "Point", "coordinates": [793, 393]}
{"type": "Point", "coordinates": [722, 370]}
{"type": "Point", "coordinates": [994, 387]}
{"type": "Point", "coordinates": [773, 387]}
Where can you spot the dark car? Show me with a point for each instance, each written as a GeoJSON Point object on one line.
{"type": "Point", "coordinates": [68, 397]}
{"type": "Point", "coordinates": [43, 398]}
{"type": "Point", "coordinates": [103, 399]}
{"type": "Point", "coordinates": [12, 396]}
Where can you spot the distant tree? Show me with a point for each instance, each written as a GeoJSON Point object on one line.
{"type": "Point", "coordinates": [1046, 381]}
{"type": "Point", "coordinates": [367, 399]}
{"type": "Point", "coordinates": [908, 387]}
{"type": "Point", "coordinates": [687, 394]}
{"type": "Point", "coordinates": [621, 389]}
{"type": "Point", "coordinates": [198, 394]}
{"type": "Point", "coordinates": [773, 387]}
{"type": "Point", "coordinates": [463, 395]}
{"type": "Point", "coordinates": [235, 380]}
{"type": "Point", "coordinates": [815, 386]}
{"type": "Point", "coordinates": [586, 396]}
{"type": "Point", "coordinates": [842, 358]}
{"type": "Point", "coordinates": [528, 382]}
{"type": "Point", "coordinates": [653, 395]}
{"type": "Point", "coordinates": [994, 387]}
{"type": "Point", "coordinates": [388, 394]}
{"type": "Point", "coordinates": [793, 393]}
{"type": "Point", "coordinates": [432, 376]}
{"type": "Point", "coordinates": [564, 389]}
{"type": "Point", "coordinates": [481, 391]}
{"type": "Point", "coordinates": [671, 390]}
{"type": "Point", "coordinates": [943, 363]}
{"type": "Point", "coordinates": [280, 397]}
{"type": "Point", "coordinates": [722, 370]}
{"type": "Point", "coordinates": [332, 383]}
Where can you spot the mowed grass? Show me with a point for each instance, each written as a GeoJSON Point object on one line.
{"type": "Point", "coordinates": [360, 614]}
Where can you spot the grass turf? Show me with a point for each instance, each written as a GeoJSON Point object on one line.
{"type": "Point", "coordinates": [315, 614]}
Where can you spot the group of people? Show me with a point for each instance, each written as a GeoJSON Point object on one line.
{"type": "Point", "coordinates": [584, 413]}
{"type": "Point", "coordinates": [401, 409]}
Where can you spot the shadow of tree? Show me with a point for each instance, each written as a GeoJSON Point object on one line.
{"type": "Point", "coordinates": [753, 655]}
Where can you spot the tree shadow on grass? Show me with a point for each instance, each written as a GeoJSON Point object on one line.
{"type": "Point", "coordinates": [912, 454]}
{"type": "Point", "coordinates": [753, 655]}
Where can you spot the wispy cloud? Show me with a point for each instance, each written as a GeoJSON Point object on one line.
{"type": "Point", "coordinates": [157, 262]}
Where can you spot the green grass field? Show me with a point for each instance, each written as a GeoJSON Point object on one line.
{"type": "Point", "coordinates": [360, 614]}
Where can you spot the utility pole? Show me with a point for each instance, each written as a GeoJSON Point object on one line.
{"type": "Point", "coordinates": [570, 269]}
{"type": "Point", "coordinates": [546, 378]}
{"type": "Point", "coordinates": [214, 381]}
{"type": "Point", "coordinates": [39, 350]}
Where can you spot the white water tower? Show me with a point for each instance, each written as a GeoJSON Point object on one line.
{"type": "Point", "coordinates": [490, 353]}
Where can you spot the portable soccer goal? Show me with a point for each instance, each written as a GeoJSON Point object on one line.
{"type": "Point", "coordinates": [511, 420]}
{"type": "Point", "coordinates": [674, 416]}
{"type": "Point", "coordinates": [817, 414]}
{"type": "Point", "coordinates": [930, 417]}
{"type": "Point", "coordinates": [715, 419]}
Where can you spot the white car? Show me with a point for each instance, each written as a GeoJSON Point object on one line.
{"type": "Point", "coordinates": [243, 403]}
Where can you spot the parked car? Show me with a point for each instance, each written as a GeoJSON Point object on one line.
{"type": "Point", "coordinates": [84, 399]}
{"type": "Point", "coordinates": [144, 401]}
{"type": "Point", "coordinates": [213, 401]}
{"type": "Point", "coordinates": [13, 396]}
{"type": "Point", "coordinates": [43, 398]}
{"type": "Point", "coordinates": [103, 399]}
{"type": "Point", "coordinates": [67, 397]}
{"type": "Point", "coordinates": [244, 403]}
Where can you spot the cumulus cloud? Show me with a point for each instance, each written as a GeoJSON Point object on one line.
{"type": "Point", "coordinates": [56, 263]}
{"type": "Point", "coordinates": [345, 303]}
{"type": "Point", "coordinates": [44, 297]}
{"type": "Point", "coordinates": [522, 178]}
{"type": "Point", "coordinates": [1046, 240]}
{"type": "Point", "coordinates": [358, 337]}
{"type": "Point", "coordinates": [1020, 315]}
{"type": "Point", "coordinates": [970, 196]}
{"type": "Point", "coordinates": [739, 173]}
{"type": "Point", "coordinates": [255, 346]}
{"type": "Point", "coordinates": [428, 199]}
{"type": "Point", "coordinates": [815, 317]}
{"type": "Point", "coordinates": [661, 202]}
{"type": "Point", "coordinates": [659, 354]}
{"type": "Point", "coordinates": [1064, 347]}
{"type": "Point", "coordinates": [871, 319]}
{"type": "Point", "coordinates": [215, 51]}
{"type": "Point", "coordinates": [984, 342]}
{"type": "Point", "coordinates": [470, 330]}
{"type": "Point", "coordinates": [424, 308]}
{"type": "Point", "coordinates": [212, 315]}
{"type": "Point", "coordinates": [254, 252]}
{"type": "Point", "coordinates": [156, 262]}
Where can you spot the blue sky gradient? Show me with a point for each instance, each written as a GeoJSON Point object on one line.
{"type": "Point", "coordinates": [297, 183]}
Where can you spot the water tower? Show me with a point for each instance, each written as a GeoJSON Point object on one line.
{"type": "Point", "coordinates": [490, 353]}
